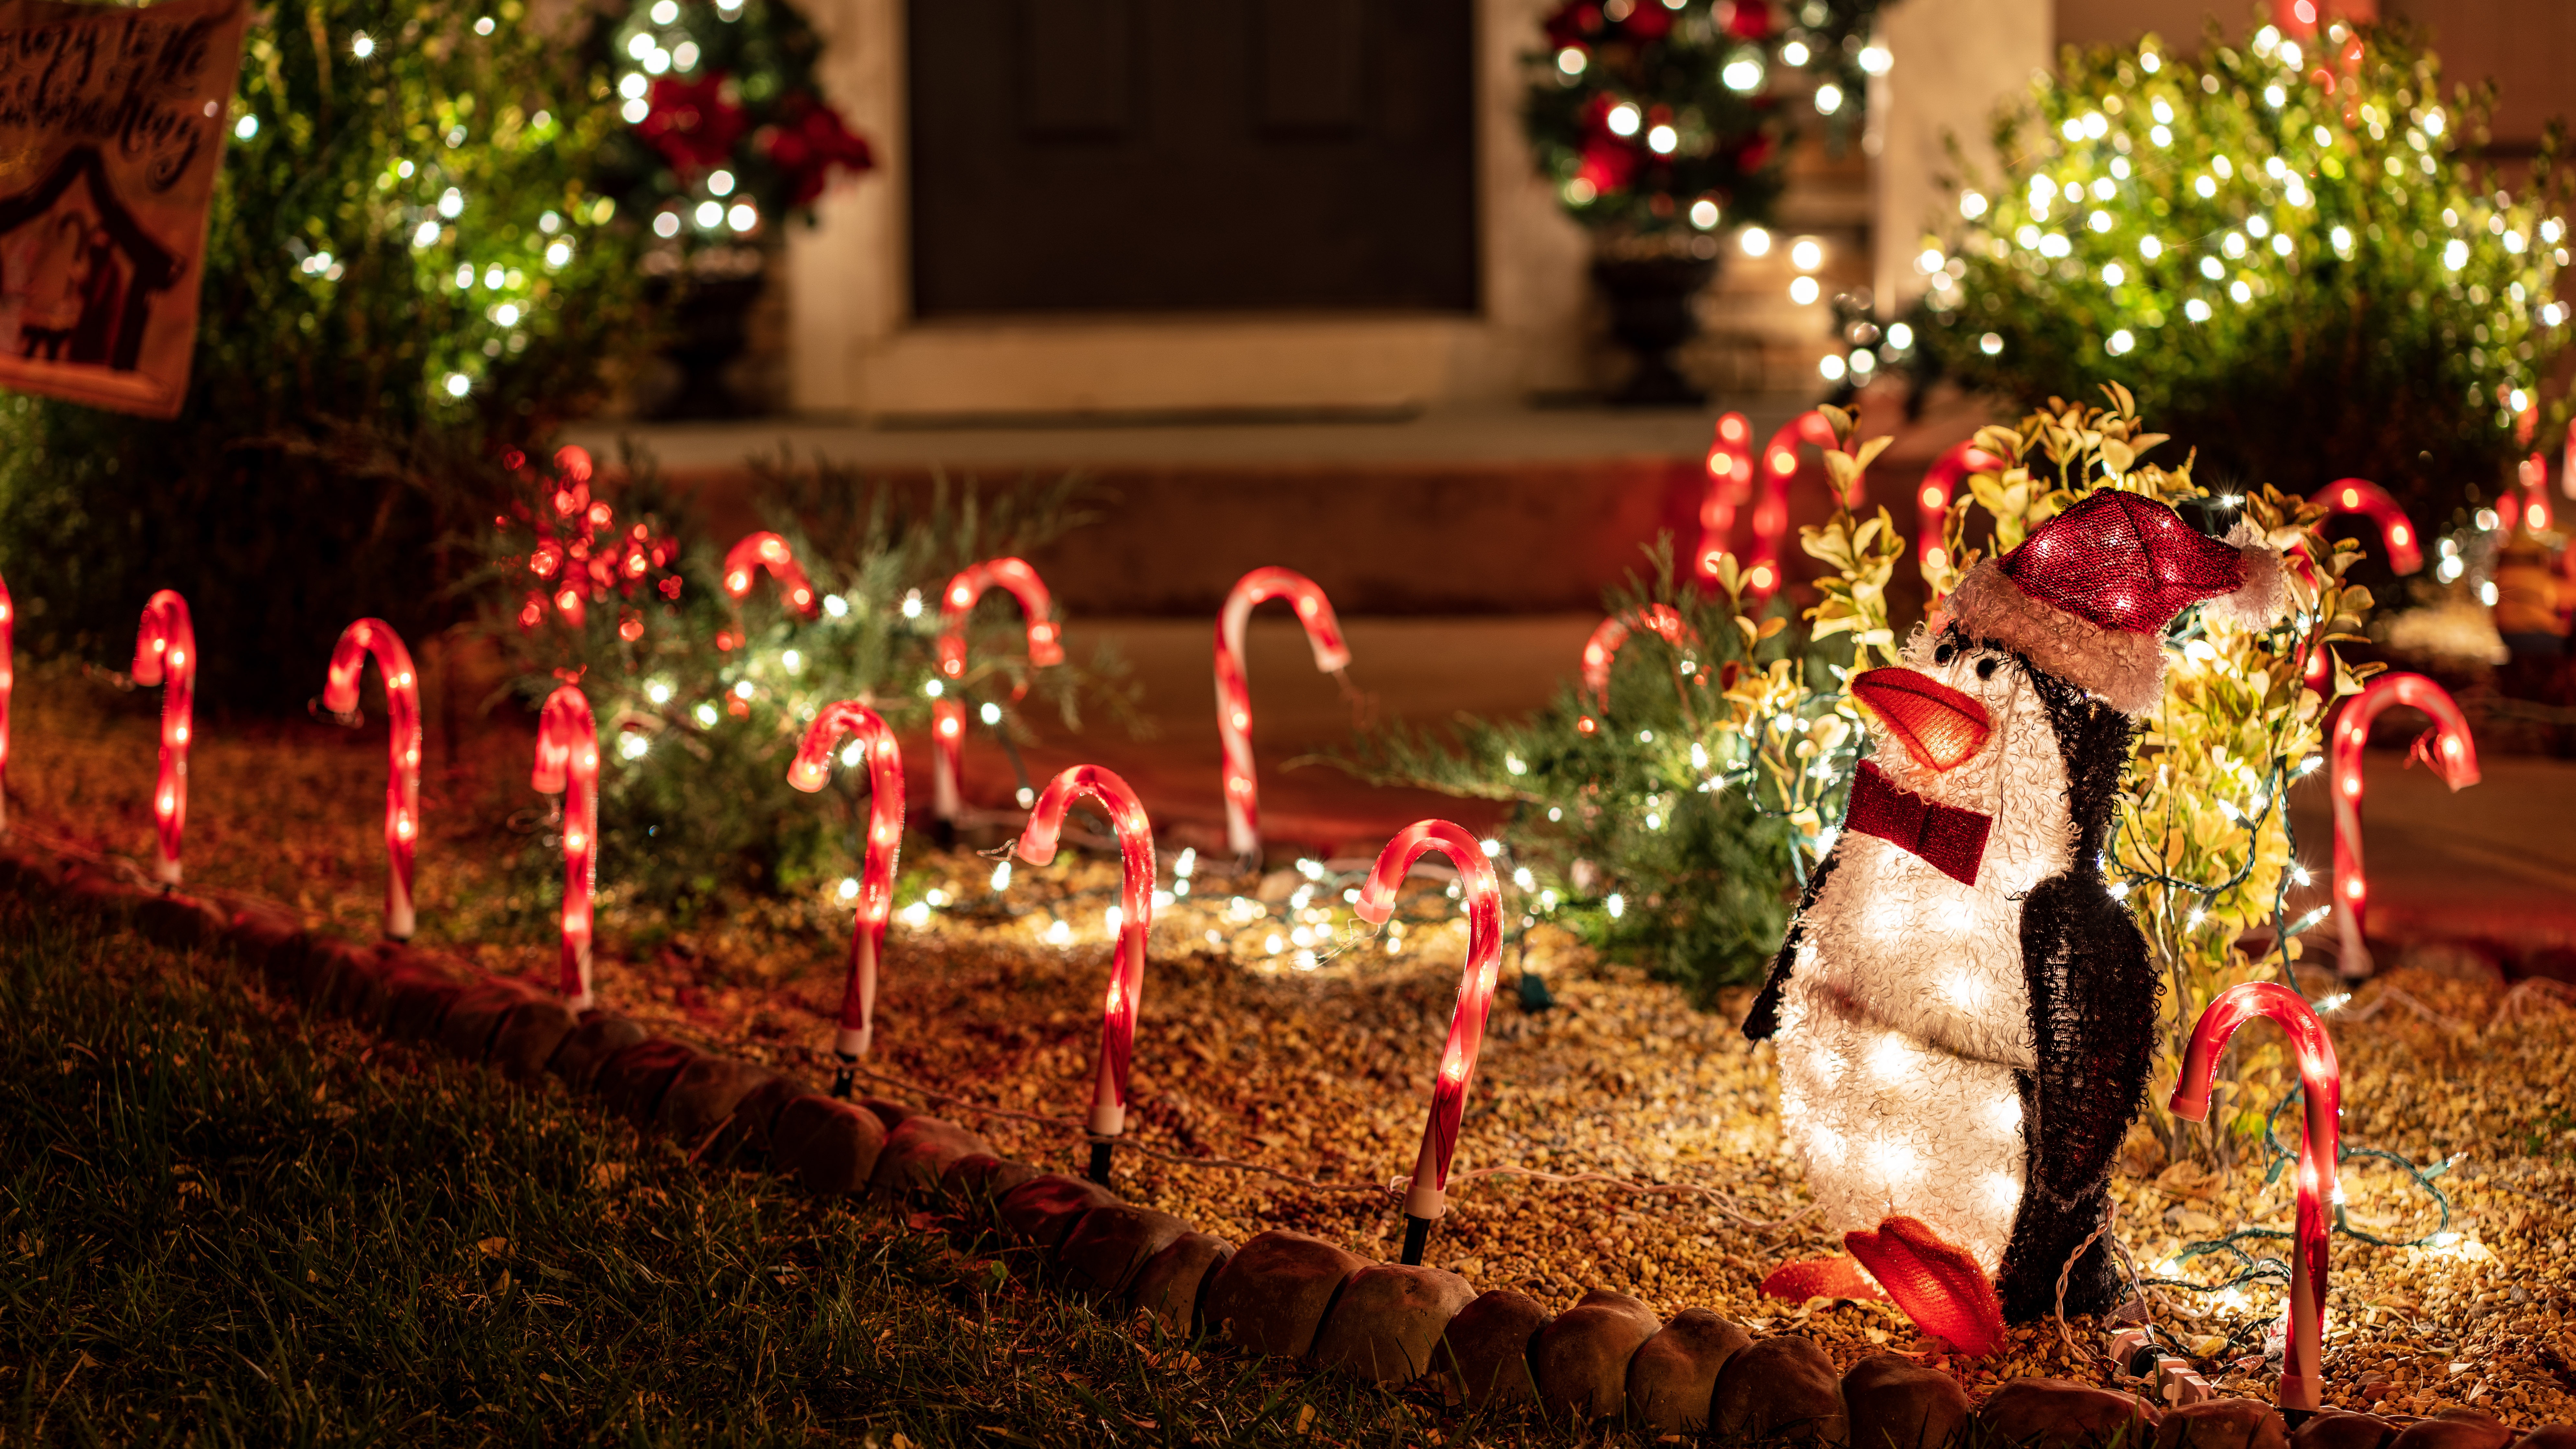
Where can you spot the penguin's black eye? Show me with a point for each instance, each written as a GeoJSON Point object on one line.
{"type": "Point", "coordinates": [1986, 667]}
{"type": "Point", "coordinates": [1945, 653]}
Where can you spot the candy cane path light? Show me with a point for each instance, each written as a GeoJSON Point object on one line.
{"type": "Point", "coordinates": [568, 765]}
{"type": "Point", "coordinates": [947, 711]}
{"type": "Point", "coordinates": [1233, 690]}
{"type": "Point", "coordinates": [2454, 753]}
{"type": "Point", "coordinates": [813, 766]}
{"type": "Point", "coordinates": [1940, 484]}
{"type": "Point", "coordinates": [769, 551]}
{"type": "Point", "coordinates": [1730, 484]}
{"type": "Point", "coordinates": [8, 678]}
{"type": "Point", "coordinates": [1602, 649]}
{"type": "Point", "coordinates": [1136, 916]}
{"type": "Point", "coordinates": [1427, 1198]}
{"type": "Point", "coordinates": [1777, 467]}
{"type": "Point", "coordinates": [2321, 1088]}
{"type": "Point", "coordinates": [402, 763]}
{"type": "Point", "coordinates": [165, 653]}
{"type": "Point", "coordinates": [2360, 495]}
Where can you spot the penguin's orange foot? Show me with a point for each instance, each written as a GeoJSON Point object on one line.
{"type": "Point", "coordinates": [1836, 1277]}
{"type": "Point", "coordinates": [1938, 1284]}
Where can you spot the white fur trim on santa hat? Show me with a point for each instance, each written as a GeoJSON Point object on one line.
{"type": "Point", "coordinates": [2264, 597]}
{"type": "Point", "coordinates": [2124, 667]}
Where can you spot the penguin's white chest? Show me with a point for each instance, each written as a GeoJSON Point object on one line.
{"type": "Point", "coordinates": [1906, 1015]}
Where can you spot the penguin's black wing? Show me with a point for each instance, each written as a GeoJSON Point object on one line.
{"type": "Point", "coordinates": [1764, 1019]}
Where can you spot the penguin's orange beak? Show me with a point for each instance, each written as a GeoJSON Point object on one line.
{"type": "Point", "coordinates": [1939, 726]}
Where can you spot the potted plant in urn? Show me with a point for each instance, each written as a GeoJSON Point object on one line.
{"type": "Point", "coordinates": [727, 139]}
{"type": "Point", "coordinates": [1664, 123]}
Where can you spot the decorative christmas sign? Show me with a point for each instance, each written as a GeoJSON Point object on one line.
{"type": "Point", "coordinates": [948, 709]}
{"type": "Point", "coordinates": [165, 653]}
{"type": "Point", "coordinates": [1233, 690]}
{"type": "Point", "coordinates": [112, 124]}
{"type": "Point", "coordinates": [1959, 974]}
{"type": "Point", "coordinates": [2455, 755]}
{"type": "Point", "coordinates": [402, 766]}
{"type": "Point", "coordinates": [1036, 845]}
{"type": "Point", "coordinates": [875, 744]}
{"type": "Point", "coordinates": [568, 765]}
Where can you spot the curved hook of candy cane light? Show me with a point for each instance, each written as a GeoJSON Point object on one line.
{"type": "Point", "coordinates": [812, 767]}
{"type": "Point", "coordinates": [568, 765]}
{"type": "Point", "coordinates": [948, 711]}
{"type": "Point", "coordinates": [1234, 692]}
{"type": "Point", "coordinates": [2535, 494]}
{"type": "Point", "coordinates": [769, 551]}
{"type": "Point", "coordinates": [1778, 467]}
{"type": "Point", "coordinates": [1427, 1198]}
{"type": "Point", "coordinates": [165, 653]}
{"type": "Point", "coordinates": [1730, 484]}
{"type": "Point", "coordinates": [8, 681]}
{"type": "Point", "coordinates": [2454, 753]}
{"type": "Point", "coordinates": [402, 762]}
{"type": "Point", "coordinates": [1036, 845]}
{"type": "Point", "coordinates": [1602, 650]}
{"type": "Point", "coordinates": [2360, 495]}
{"type": "Point", "coordinates": [2321, 1090]}
{"type": "Point", "coordinates": [1932, 499]}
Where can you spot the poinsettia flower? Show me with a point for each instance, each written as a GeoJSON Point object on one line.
{"type": "Point", "coordinates": [1649, 21]}
{"type": "Point", "coordinates": [808, 140]}
{"type": "Point", "coordinates": [1749, 19]}
{"type": "Point", "coordinates": [1609, 164]}
{"type": "Point", "coordinates": [1755, 150]}
{"type": "Point", "coordinates": [1574, 24]}
{"type": "Point", "coordinates": [692, 123]}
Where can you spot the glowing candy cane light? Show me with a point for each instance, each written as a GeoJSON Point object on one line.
{"type": "Point", "coordinates": [2321, 1091]}
{"type": "Point", "coordinates": [2455, 754]}
{"type": "Point", "coordinates": [2360, 495]}
{"type": "Point", "coordinates": [1427, 1198]}
{"type": "Point", "coordinates": [948, 708]}
{"type": "Point", "coordinates": [402, 765]}
{"type": "Point", "coordinates": [568, 765]}
{"type": "Point", "coordinates": [812, 768]}
{"type": "Point", "coordinates": [1602, 650]}
{"type": "Point", "coordinates": [1771, 516]}
{"type": "Point", "coordinates": [1940, 484]}
{"type": "Point", "coordinates": [769, 551]}
{"type": "Point", "coordinates": [8, 677]}
{"type": "Point", "coordinates": [1233, 693]}
{"type": "Point", "coordinates": [1036, 845]}
{"type": "Point", "coordinates": [1730, 483]}
{"type": "Point", "coordinates": [165, 653]}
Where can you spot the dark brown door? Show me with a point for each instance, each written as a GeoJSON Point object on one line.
{"type": "Point", "coordinates": [1192, 155]}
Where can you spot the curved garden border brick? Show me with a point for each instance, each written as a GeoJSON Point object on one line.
{"type": "Point", "coordinates": [1283, 1293]}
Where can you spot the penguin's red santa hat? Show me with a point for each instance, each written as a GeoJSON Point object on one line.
{"type": "Point", "coordinates": [2089, 594]}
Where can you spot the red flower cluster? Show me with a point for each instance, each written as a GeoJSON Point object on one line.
{"type": "Point", "coordinates": [693, 123]}
{"type": "Point", "coordinates": [581, 555]}
{"type": "Point", "coordinates": [806, 142]}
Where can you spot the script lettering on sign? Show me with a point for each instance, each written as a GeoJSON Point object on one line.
{"type": "Point", "coordinates": [112, 125]}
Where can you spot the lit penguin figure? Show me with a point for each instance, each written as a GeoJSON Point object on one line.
{"type": "Point", "coordinates": [1965, 1015]}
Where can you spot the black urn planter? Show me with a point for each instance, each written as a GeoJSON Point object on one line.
{"type": "Point", "coordinates": [1650, 314]}
{"type": "Point", "coordinates": [709, 320]}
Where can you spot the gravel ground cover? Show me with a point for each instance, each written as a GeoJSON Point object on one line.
{"type": "Point", "coordinates": [992, 996]}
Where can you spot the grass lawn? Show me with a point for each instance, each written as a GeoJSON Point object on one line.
{"type": "Point", "coordinates": [227, 1224]}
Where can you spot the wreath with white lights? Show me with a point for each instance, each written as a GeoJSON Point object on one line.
{"type": "Point", "coordinates": [1660, 121]}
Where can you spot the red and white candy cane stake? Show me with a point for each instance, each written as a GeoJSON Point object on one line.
{"type": "Point", "coordinates": [1427, 1198]}
{"type": "Point", "coordinates": [568, 765]}
{"type": "Point", "coordinates": [165, 653]}
{"type": "Point", "coordinates": [1730, 484]}
{"type": "Point", "coordinates": [2535, 493]}
{"type": "Point", "coordinates": [2455, 754]}
{"type": "Point", "coordinates": [2321, 1090]}
{"type": "Point", "coordinates": [813, 766]}
{"type": "Point", "coordinates": [769, 551]}
{"type": "Point", "coordinates": [2360, 495]}
{"type": "Point", "coordinates": [1234, 693]}
{"type": "Point", "coordinates": [1779, 466]}
{"type": "Point", "coordinates": [1602, 650]}
{"type": "Point", "coordinates": [948, 711]}
{"type": "Point", "coordinates": [402, 762]}
{"type": "Point", "coordinates": [8, 678]}
{"type": "Point", "coordinates": [1940, 485]}
{"type": "Point", "coordinates": [1036, 845]}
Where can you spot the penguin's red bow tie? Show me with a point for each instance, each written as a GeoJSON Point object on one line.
{"type": "Point", "coordinates": [1952, 839]}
